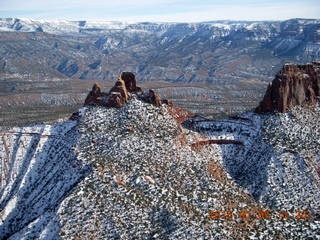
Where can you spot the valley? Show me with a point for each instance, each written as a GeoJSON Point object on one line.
{"type": "Point", "coordinates": [215, 69]}
{"type": "Point", "coordinates": [25, 101]}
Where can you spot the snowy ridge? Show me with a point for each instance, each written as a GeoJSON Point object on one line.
{"type": "Point", "coordinates": [57, 26]}
{"type": "Point", "coordinates": [222, 28]}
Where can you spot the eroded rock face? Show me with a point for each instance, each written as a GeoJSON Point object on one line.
{"type": "Point", "coordinates": [198, 145]}
{"type": "Point", "coordinates": [293, 85]}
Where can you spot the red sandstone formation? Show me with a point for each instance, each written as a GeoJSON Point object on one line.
{"type": "Point", "coordinates": [153, 98]}
{"type": "Point", "coordinates": [94, 95]}
{"type": "Point", "coordinates": [130, 81]}
{"type": "Point", "coordinates": [293, 85]}
{"type": "Point", "coordinates": [120, 93]}
{"type": "Point", "coordinates": [117, 96]}
{"type": "Point", "coordinates": [120, 88]}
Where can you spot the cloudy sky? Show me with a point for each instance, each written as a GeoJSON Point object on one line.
{"type": "Point", "coordinates": [161, 10]}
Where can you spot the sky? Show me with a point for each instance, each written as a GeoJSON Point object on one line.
{"type": "Point", "coordinates": [160, 10]}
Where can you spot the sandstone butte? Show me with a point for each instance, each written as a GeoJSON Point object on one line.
{"type": "Point", "coordinates": [293, 85]}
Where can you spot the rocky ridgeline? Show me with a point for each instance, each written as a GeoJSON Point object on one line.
{"type": "Point", "coordinates": [121, 92]}
{"type": "Point", "coordinates": [294, 85]}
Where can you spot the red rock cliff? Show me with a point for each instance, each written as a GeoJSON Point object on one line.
{"type": "Point", "coordinates": [293, 85]}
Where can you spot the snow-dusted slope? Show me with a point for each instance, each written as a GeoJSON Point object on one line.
{"type": "Point", "coordinates": [145, 177]}
{"type": "Point", "coordinates": [38, 169]}
{"type": "Point", "coordinates": [279, 158]}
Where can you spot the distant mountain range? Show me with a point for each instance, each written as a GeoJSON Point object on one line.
{"type": "Point", "coordinates": [217, 51]}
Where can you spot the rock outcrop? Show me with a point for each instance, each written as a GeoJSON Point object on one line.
{"type": "Point", "coordinates": [293, 85]}
{"type": "Point", "coordinates": [152, 97]}
{"type": "Point", "coordinates": [115, 99]}
{"type": "Point", "coordinates": [94, 95]}
{"type": "Point", "coordinates": [121, 92]}
{"type": "Point", "coordinates": [117, 96]}
{"type": "Point", "coordinates": [130, 81]}
{"type": "Point", "coordinates": [120, 89]}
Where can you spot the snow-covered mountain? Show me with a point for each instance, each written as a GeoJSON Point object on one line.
{"type": "Point", "coordinates": [219, 28]}
{"type": "Point", "coordinates": [58, 26]}
{"type": "Point", "coordinates": [136, 172]}
{"type": "Point", "coordinates": [185, 52]}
